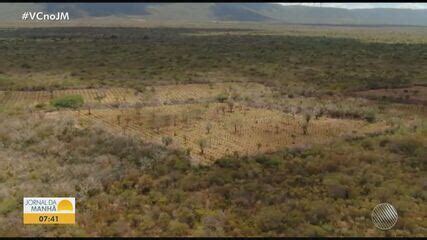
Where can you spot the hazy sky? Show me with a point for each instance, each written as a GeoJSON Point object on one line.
{"type": "Point", "coordinates": [365, 5]}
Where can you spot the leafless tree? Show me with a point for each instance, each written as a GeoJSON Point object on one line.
{"type": "Point", "coordinates": [307, 118]}
{"type": "Point", "coordinates": [208, 128]}
{"type": "Point", "coordinates": [203, 143]}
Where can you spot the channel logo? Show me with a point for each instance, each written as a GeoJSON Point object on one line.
{"type": "Point", "coordinates": [43, 210]}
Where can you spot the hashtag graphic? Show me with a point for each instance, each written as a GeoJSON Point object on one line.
{"type": "Point", "coordinates": [25, 16]}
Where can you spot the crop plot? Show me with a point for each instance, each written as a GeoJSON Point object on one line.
{"type": "Point", "coordinates": [199, 119]}
{"type": "Point", "coordinates": [210, 131]}
{"type": "Point", "coordinates": [153, 95]}
{"type": "Point", "coordinates": [209, 91]}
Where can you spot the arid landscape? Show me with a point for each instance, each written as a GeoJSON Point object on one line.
{"type": "Point", "coordinates": [215, 130]}
{"type": "Point", "coordinates": [213, 122]}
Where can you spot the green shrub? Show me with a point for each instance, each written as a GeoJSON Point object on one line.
{"type": "Point", "coordinates": [8, 205]}
{"type": "Point", "coordinates": [270, 219]}
{"type": "Point", "coordinates": [227, 163]}
{"type": "Point", "coordinates": [222, 97]}
{"type": "Point", "coordinates": [405, 146]}
{"type": "Point", "coordinates": [267, 161]}
{"type": "Point", "coordinates": [337, 191]}
{"type": "Point", "coordinates": [167, 140]}
{"type": "Point", "coordinates": [69, 101]}
{"type": "Point", "coordinates": [40, 105]}
{"type": "Point", "coordinates": [370, 117]}
{"type": "Point", "coordinates": [178, 228]}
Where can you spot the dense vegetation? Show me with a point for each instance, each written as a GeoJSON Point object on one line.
{"type": "Point", "coordinates": [124, 187]}
{"type": "Point", "coordinates": [72, 57]}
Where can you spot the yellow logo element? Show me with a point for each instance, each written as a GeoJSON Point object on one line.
{"type": "Point", "coordinates": [65, 205]}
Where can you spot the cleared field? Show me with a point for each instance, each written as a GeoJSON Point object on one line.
{"type": "Point", "coordinates": [153, 95]}
{"type": "Point", "coordinates": [416, 94]}
{"type": "Point", "coordinates": [210, 131]}
{"type": "Point", "coordinates": [187, 92]}
{"type": "Point", "coordinates": [191, 117]}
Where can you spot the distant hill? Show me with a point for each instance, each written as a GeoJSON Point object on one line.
{"type": "Point", "coordinates": [258, 12]}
